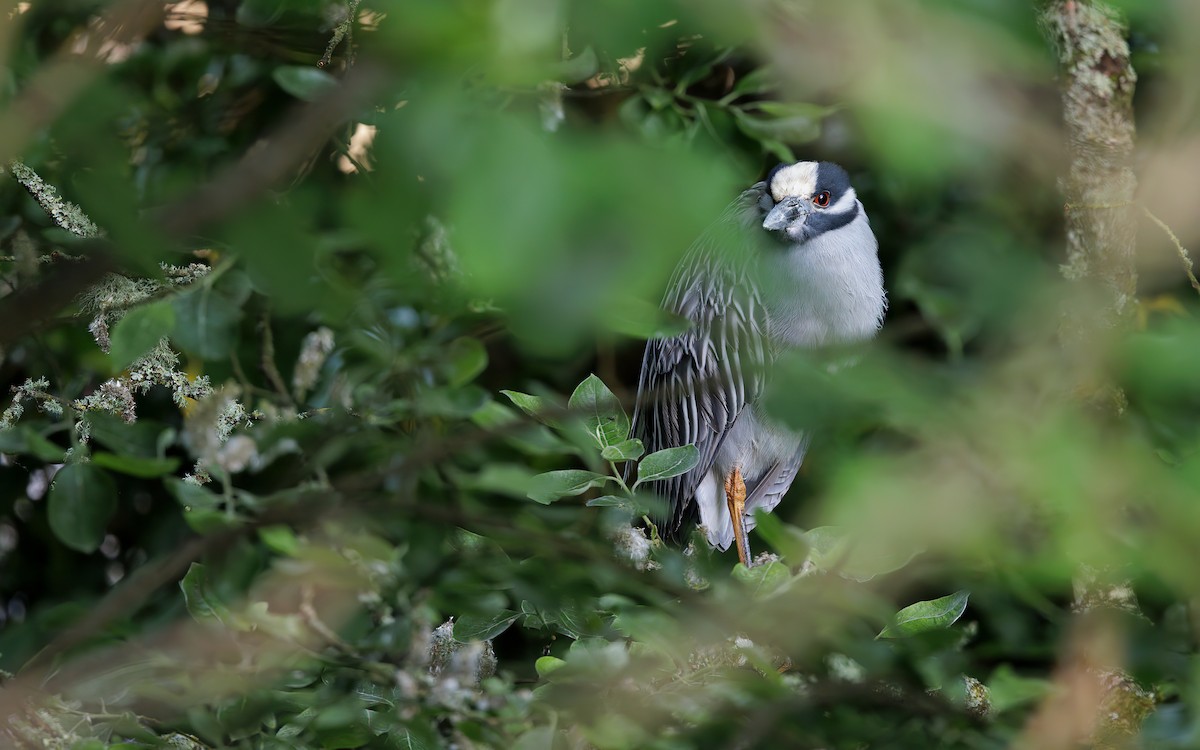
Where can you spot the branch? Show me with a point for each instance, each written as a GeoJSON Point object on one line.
{"type": "Point", "coordinates": [64, 213]}
{"type": "Point", "coordinates": [1097, 83]}
{"type": "Point", "coordinates": [33, 306]}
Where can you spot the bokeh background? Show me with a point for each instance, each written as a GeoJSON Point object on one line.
{"type": "Point", "coordinates": [315, 529]}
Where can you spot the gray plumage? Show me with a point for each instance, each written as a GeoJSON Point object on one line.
{"type": "Point", "coordinates": [778, 270]}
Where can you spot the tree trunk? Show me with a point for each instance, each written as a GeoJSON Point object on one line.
{"type": "Point", "coordinates": [1097, 82]}
{"type": "Point", "coordinates": [1097, 703]}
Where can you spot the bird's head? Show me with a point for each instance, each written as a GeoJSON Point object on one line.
{"type": "Point", "coordinates": [807, 199]}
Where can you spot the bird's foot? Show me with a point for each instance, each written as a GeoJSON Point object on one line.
{"type": "Point", "coordinates": [735, 496]}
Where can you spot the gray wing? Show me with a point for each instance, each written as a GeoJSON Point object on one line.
{"type": "Point", "coordinates": [770, 488]}
{"type": "Point", "coordinates": [693, 386]}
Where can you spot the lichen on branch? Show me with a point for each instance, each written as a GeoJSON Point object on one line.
{"type": "Point", "coordinates": [64, 213]}
{"type": "Point", "coordinates": [1097, 85]}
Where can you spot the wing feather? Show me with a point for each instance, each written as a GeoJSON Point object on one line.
{"type": "Point", "coordinates": [694, 385]}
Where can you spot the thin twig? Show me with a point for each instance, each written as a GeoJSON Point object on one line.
{"type": "Point", "coordinates": [1184, 257]}
{"type": "Point", "coordinates": [269, 368]}
{"type": "Point", "coordinates": [311, 619]}
{"type": "Point", "coordinates": [343, 30]}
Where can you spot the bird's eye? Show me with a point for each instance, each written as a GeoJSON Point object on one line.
{"type": "Point", "coordinates": [821, 200]}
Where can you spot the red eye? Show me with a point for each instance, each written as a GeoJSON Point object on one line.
{"type": "Point", "coordinates": [821, 200]}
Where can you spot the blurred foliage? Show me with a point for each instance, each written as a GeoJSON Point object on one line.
{"type": "Point", "coordinates": [322, 463]}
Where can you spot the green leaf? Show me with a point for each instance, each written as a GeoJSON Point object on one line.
{"type": "Point", "coordinates": [139, 331]}
{"type": "Point", "coordinates": [414, 737]}
{"type": "Point", "coordinates": [256, 13]}
{"type": "Point", "coordinates": [202, 510]}
{"type": "Point", "coordinates": [197, 596]}
{"type": "Point", "coordinates": [758, 81]}
{"type": "Point", "coordinates": [192, 496]}
{"type": "Point", "coordinates": [832, 548]}
{"type": "Point", "coordinates": [610, 501]}
{"type": "Point", "coordinates": [206, 320]}
{"type": "Point", "coordinates": [139, 438]}
{"type": "Point", "coordinates": [603, 417]}
{"type": "Point", "coordinates": [922, 617]}
{"type": "Point", "coordinates": [514, 480]}
{"type": "Point", "coordinates": [13, 440]}
{"type": "Point", "coordinates": [531, 405]}
{"type": "Point", "coordinates": [828, 546]}
{"type": "Point", "coordinates": [42, 447]}
{"type": "Point", "coordinates": [82, 501]}
{"type": "Point", "coordinates": [1010, 690]}
{"type": "Point", "coordinates": [463, 361]}
{"type": "Point", "coordinates": [786, 540]}
{"type": "Point", "coordinates": [470, 628]}
{"type": "Point", "coordinates": [129, 727]}
{"type": "Point", "coordinates": [462, 402]}
{"type": "Point", "coordinates": [638, 318]}
{"type": "Point", "coordinates": [535, 406]}
{"type": "Point", "coordinates": [343, 726]}
{"type": "Point", "coordinates": [305, 82]}
{"type": "Point", "coordinates": [538, 738]}
{"type": "Point", "coordinates": [784, 110]}
{"type": "Point", "coordinates": [693, 76]}
{"type": "Point", "coordinates": [579, 68]}
{"type": "Point", "coordinates": [626, 450]}
{"type": "Point", "coordinates": [534, 439]}
{"type": "Point", "coordinates": [547, 664]}
{"type": "Point", "coordinates": [578, 621]}
{"type": "Point", "coordinates": [762, 579]}
{"type": "Point", "coordinates": [667, 463]}
{"type": "Point", "coordinates": [784, 122]}
{"type": "Point", "coordinates": [553, 485]}
{"type": "Point", "coordinates": [658, 98]}
{"type": "Point", "coordinates": [204, 521]}
{"type": "Point", "coordinates": [135, 466]}
{"type": "Point", "coordinates": [280, 539]}
{"type": "Point", "coordinates": [779, 150]}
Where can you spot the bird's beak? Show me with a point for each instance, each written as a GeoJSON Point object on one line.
{"type": "Point", "coordinates": [781, 216]}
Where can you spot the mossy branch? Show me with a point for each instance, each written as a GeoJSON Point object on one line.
{"type": "Point", "coordinates": [1097, 84]}
{"type": "Point", "coordinates": [64, 213]}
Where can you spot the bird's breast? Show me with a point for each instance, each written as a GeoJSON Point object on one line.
{"type": "Point", "coordinates": [828, 290]}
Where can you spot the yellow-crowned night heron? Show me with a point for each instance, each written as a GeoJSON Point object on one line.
{"type": "Point", "coordinates": [791, 263]}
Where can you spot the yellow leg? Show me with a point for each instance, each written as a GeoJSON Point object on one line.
{"type": "Point", "coordinates": [735, 496]}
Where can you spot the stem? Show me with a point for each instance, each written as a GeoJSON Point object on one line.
{"type": "Point", "coordinates": [617, 476]}
{"type": "Point", "coordinates": [268, 363]}
{"type": "Point", "coordinates": [1179, 248]}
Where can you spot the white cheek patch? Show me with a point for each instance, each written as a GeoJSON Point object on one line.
{"type": "Point", "coordinates": [799, 179]}
{"type": "Point", "coordinates": [845, 203]}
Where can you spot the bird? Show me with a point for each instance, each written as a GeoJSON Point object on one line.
{"type": "Point", "coordinates": [791, 264]}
